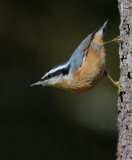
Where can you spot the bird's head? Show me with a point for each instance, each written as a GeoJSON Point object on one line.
{"type": "Point", "coordinates": [54, 75]}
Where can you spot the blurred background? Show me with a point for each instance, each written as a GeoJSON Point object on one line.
{"type": "Point", "coordinates": [44, 122]}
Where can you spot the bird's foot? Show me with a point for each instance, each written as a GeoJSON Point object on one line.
{"type": "Point", "coordinates": [117, 39]}
{"type": "Point", "coordinates": [116, 83]}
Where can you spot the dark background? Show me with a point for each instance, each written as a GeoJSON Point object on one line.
{"type": "Point", "coordinates": [48, 123]}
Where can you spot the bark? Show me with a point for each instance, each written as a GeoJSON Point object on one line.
{"type": "Point", "coordinates": [124, 149]}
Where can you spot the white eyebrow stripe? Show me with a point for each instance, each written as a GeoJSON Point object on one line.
{"type": "Point", "coordinates": [56, 69]}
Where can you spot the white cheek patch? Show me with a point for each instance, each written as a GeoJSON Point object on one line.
{"type": "Point", "coordinates": [53, 80]}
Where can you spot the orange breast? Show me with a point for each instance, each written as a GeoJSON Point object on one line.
{"type": "Point", "coordinates": [88, 75]}
{"type": "Point", "coordinates": [90, 72]}
{"type": "Point", "coordinates": [97, 38]}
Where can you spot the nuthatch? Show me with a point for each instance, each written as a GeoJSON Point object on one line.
{"type": "Point", "coordinates": [84, 69]}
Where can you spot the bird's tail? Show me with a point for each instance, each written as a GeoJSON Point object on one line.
{"type": "Point", "coordinates": [104, 28]}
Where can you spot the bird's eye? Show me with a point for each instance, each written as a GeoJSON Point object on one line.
{"type": "Point", "coordinates": [49, 76]}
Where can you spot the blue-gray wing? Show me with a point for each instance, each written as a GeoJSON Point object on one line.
{"type": "Point", "coordinates": [76, 59]}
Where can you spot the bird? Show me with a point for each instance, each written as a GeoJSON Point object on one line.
{"type": "Point", "coordinates": [84, 69]}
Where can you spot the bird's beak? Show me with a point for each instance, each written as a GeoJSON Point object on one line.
{"type": "Point", "coordinates": [37, 83]}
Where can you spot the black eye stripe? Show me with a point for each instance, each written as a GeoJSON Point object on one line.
{"type": "Point", "coordinates": [63, 71]}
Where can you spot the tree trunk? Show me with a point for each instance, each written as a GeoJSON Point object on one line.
{"type": "Point", "coordinates": [124, 149]}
